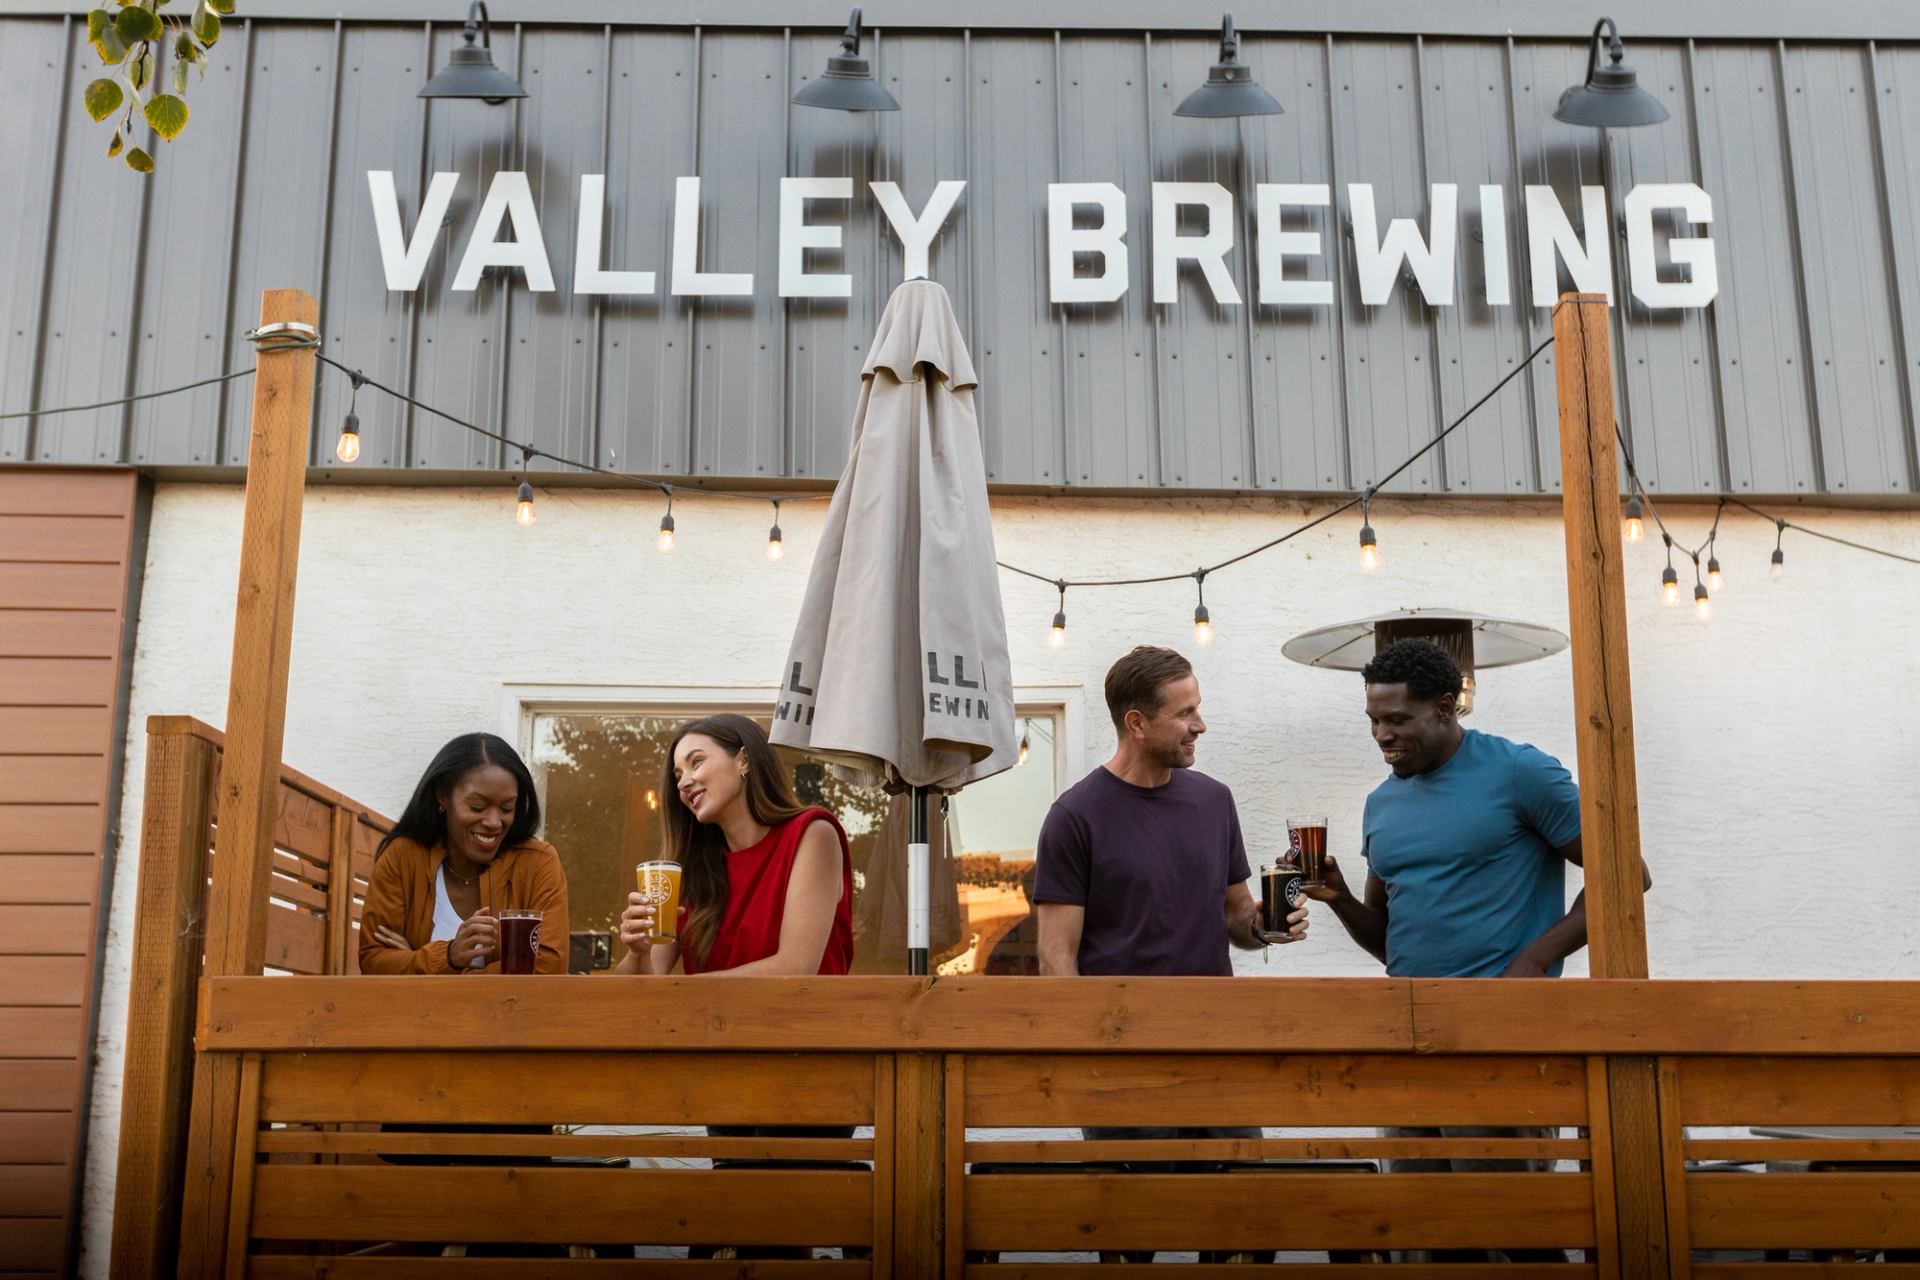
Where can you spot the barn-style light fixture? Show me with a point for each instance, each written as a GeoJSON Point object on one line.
{"type": "Point", "coordinates": [470, 72]}
{"type": "Point", "coordinates": [1229, 90]}
{"type": "Point", "coordinates": [848, 83]}
{"type": "Point", "coordinates": [1611, 96]}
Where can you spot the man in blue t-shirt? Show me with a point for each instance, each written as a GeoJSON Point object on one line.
{"type": "Point", "coordinates": [1466, 846]}
{"type": "Point", "coordinates": [1142, 869]}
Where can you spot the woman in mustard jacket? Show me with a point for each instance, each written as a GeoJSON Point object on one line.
{"type": "Point", "coordinates": [463, 851]}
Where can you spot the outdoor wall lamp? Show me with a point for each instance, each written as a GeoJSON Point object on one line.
{"type": "Point", "coordinates": [1611, 96]}
{"type": "Point", "coordinates": [1229, 90]}
{"type": "Point", "coordinates": [470, 72]}
{"type": "Point", "coordinates": [848, 83]}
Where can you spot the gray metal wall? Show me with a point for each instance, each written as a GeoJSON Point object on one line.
{"type": "Point", "coordinates": [1800, 379]}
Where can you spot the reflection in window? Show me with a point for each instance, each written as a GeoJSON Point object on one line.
{"type": "Point", "coordinates": [602, 779]}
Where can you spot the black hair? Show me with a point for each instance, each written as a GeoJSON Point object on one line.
{"type": "Point", "coordinates": [1421, 665]}
{"type": "Point", "coordinates": [425, 822]}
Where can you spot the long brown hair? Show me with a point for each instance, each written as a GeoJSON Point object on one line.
{"type": "Point", "coordinates": [701, 848]}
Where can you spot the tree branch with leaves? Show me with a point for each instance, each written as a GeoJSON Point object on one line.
{"type": "Point", "coordinates": [132, 39]}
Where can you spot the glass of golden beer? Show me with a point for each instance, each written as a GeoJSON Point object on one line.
{"type": "Point", "coordinates": [659, 884]}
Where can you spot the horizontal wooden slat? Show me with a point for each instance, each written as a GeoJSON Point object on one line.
{"type": "Point", "coordinates": [49, 879]}
{"type": "Point", "coordinates": [1262, 1271]}
{"type": "Point", "coordinates": [349, 1268]}
{"type": "Point", "coordinates": [1666, 1016]}
{"type": "Point", "coordinates": [305, 825]}
{"type": "Point", "coordinates": [26, 779]}
{"type": "Point", "coordinates": [62, 586]}
{"type": "Point", "coordinates": [1291, 1211]}
{"type": "Point", "coordinates": [56, 682]}
{"type": "Point", "coordinates": [563, 1206]}
{"type": "Point", "coordinates": [34, 1191]}
{"type": "Point", "coordinates": [1796, 1091]}
{"type": "Point", "coordinates": [1801, 1270]}
{"type": "Point", "coordinates": [51, 828]}
{"type": "Point", "coordinates": [28, 1032]}
{"type": "Point", "coordinates": [1048, 1090]}
{"type": "Point", "coordinates": [94, 491]}
{"type": "Point", "coordinates": [33, 1244]}
{"type": "Point", "coordinates": [1770, 1150]}
{"type": "Point", "coordinates": [36, 1137]}
{"type": "Point", "coordinates": [302, 892]}
{"type": "Point", "coordinates": [38, 1084]}
{"type": "Point", "coordinates": [302, 869]}
{"type": "Point", "coordinates": [843, 1014]}
{"type": "Point", "coordinates": [45, 981]}
{"type": "Point", "coordinates": [1104, 1151]}
{"type": "Point", "coordinates": [59, 633]}
{"type": "Point", "coordinates": [1804, 1210]}
{"type": "Point", "coordinates": [44, 931]}
{"type": "Point", "coordinates": [296, 940]}
{"type": "Point", "coordinates": [64, 538]}
{"type": "Point", "coordinates": [62, 730]}
{"type": "Point", "coordinates": [597, 1145]}
{"type": "Point", "coordinates": [575, 1088]}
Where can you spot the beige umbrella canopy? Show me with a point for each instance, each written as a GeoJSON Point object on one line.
{"type": "Point", "coordinates": [898, 670]}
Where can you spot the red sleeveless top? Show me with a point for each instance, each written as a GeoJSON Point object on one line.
{"type": "Point", "coordinates": [757, 879]}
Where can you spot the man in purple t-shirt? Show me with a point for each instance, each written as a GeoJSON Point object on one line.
{"type": "Point", "coordinates": [1142, 869]}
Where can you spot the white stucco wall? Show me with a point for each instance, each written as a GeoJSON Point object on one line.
{"type": "Point", "coordinates": [1778, 791]}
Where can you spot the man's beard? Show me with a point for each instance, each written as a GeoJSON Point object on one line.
{"type": "Point", "coordinates": [1177, 756]}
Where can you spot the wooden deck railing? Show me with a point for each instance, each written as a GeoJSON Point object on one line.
{"type": "Point", "coordinates": [932, 1066]}
{"type": "Point", "coordinates": [313, 920]}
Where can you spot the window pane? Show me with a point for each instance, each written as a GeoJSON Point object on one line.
{"type": "Point", "coordinates": [602, 779]}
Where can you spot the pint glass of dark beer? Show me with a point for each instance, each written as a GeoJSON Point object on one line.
{"type": "Point", "coordinates": [519, 940]}
{"type": "Point", "coordinates": [1308, 838]}
{"type": "Point", "coordinates": [1279, 895]}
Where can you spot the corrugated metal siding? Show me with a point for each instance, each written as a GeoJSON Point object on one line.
{"type": "Point", "coordinates": [1802, 378]}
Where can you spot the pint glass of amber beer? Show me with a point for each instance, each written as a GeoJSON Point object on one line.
{"type": "Point", "coordinates": [519, 940]}
{"type": "Point", "coordinates": [660, 887]}
{"type": "Point", "coordinates": [1308, 837]}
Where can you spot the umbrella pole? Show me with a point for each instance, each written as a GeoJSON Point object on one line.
{"type": "Point", "coordinates": [919, 889]}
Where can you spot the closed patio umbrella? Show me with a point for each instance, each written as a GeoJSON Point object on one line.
{"type": "Point", "coordinates": [898, 671]}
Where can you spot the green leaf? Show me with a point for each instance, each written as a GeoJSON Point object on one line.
{"type": "Point", "coordinates": [136, 24]}
{"type": "Point", "coordinates": [221, 6]}
{"type": "Point", "coordinates": [140, 70]}
{"type": "Point", "coordinates": [139, 161]}
{"type": "Point", "coordinates": [102, 98]}
{"type": "Point", "coordinates": [114, 150]}
{"type": "Point", "coordinates": [181, 68]}
{"type": "Point", "coordinates": [206, 25]}
{"type": "Point", "coordinates": [105, 38]}
{"type": "Point", "coordinates": [168, 115]}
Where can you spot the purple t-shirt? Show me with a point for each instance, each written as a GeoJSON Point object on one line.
{"type": "Point", "coordinates": [1152, 866]}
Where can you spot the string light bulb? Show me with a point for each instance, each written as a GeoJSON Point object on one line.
{"type": "Point", "coordinates": [1026, 745]}
{"type": "Point", "coordinates": [523, 507]}
{"type": "Point", "coordinates": [1369, 545]}
{"type": "Point", "coordinates": [774, 549]}
{"type": "Point", "coordinates": [1202, 620]}
{"type": "Point", "coordinates": [1057, 636]}
{"type": "Point", "coordinates": [1779, 556]}
{"type": "Point", "coordinates": [1636, 528]}
{"type": "Point", "coordinates": [1669, 580]}
{"type": "Point", "coordinates": [1716, 580]}
{"type": "Point", "coordinates": [347, 448]}
{"type": "Point", "coordinates": [665, 540]}
{"type": "Point", "coordinates": [1702, 603]}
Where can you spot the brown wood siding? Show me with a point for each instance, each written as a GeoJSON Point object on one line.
{"type": "Point", "coordinates": [67, 539]}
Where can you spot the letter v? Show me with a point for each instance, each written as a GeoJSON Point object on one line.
{"type": "Point", "coordinates": [404, 259]}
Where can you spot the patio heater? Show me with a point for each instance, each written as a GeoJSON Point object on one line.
{"type": "Point", "coordinates": [1472, 640]}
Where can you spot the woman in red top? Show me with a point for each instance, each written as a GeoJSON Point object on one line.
{"type": "Point", "coordinates": [766, 882]}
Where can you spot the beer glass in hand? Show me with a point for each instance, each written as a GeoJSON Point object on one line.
{"type": "Point", "coordinates": [1308, 839]}
{"type": "Point", "coordinates": [1333, 883]}
{"type": "Point", "coordinates": [1279, 898]}
{"type": "Point", "coordinates": [659, 888]}
{"type": "Point", "coordinates": [519, 939]}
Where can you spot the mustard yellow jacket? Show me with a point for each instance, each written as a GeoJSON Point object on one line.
{"type": "Point", "coordinates": [400, 897]}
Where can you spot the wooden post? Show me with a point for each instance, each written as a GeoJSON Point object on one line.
{"type": "Point", "coordinates": [919, 1166]}
{"type": "Point", "coordinates": [250, 773]}
{"type": "Point", "coordinates": [1609, 800]}
{"type": "Point", "coordinates": [175, 822]}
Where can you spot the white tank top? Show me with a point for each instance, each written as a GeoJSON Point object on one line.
{"type": "Point", "coordinates": [446, 921]}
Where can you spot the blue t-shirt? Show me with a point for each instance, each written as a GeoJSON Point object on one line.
{"type": "Point", "coordinates": [1151, 865]}
{"type": "Point", "coordinates": [1467, 855]}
